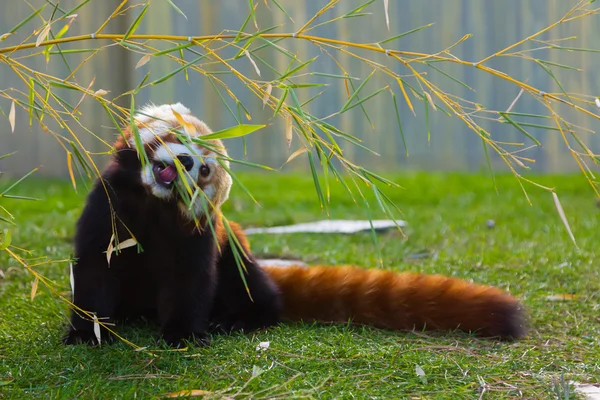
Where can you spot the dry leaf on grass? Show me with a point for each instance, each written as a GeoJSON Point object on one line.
{"type": "Point", "coordinates": [561, 297]}
{"type": "Point", "coordinates": [188, 393]}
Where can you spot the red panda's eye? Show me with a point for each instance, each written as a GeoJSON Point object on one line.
{"type": "Point", "coordinates": [204, 170]}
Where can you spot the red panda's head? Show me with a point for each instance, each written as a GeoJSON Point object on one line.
{"type": "Point", "coordinates": [176, 164]}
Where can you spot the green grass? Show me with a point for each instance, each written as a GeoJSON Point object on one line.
{"type": "Point", "coordinates": [528, 252]}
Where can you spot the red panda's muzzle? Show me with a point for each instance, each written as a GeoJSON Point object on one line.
{"type": "Point", "coordinates": [164, 174]}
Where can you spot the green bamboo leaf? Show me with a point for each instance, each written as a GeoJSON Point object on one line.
{"type": "Point", "coordinates": [355, 94]}
{"type": "Point", "coordinates": [313, 169]}
{"type": "Point", "coordinates": [280, 102]}
{"type": "Point", "coordinates": [489, 162]}
{"type": "Point", "coordinates": [546, 62]}
{"type": "Point", "coordinates": [361, 101]}
{"type": "Point", "coordinates": [519, 114]}
{"type": "Point", "coordinates": [519, 127]}
{"type": "Point", "coordinates": [236, 117]}
{"type": "Point", "coordinates": [172, 49]}
{"type": "Point", "coordinates": [176, 8]}
{"type": "Point", "coordinates": [334, 76]}
{"type": "Point", "coordinates": [549, 72]}
{"type": "Point", "coordinates": [447, 75]}
{"type": "Point", "coordinates": [405, 33]}
{"type": "Point", "coordinates": [136, 23]}
{"type": "Point", "coordinates": [7, 155]}
{"type": "Point", "coordinates": [236, 180]}
{"type": "Point", "coordinates": [579, 49]}
{"type": "Point", "coordinates": [241, 30]}
{"type": "Point", "coordinates": [139, 145]}
{"type": "Point", "coordinates": [177, 70]}
{"type": "Point", "coordinates": [11, 187]}
{"type": "Point", "coordinates": [77, 7]}
{"type": "Point", "coordinates": [282, 9]}
{"type": "Point", "coordinates": [73, 51]}
{"type": "Point", "coordinates": [27, 19]}
{"type": "Point", "coordinates": [6, 240]}
{"type": "Point", "coordinates": [358, 9]}
{"type": "Point", "coordinates": [233, 132]}
{"type": "Point", "coordinates": [8, 221]}
{"type": "Point", "coordinates": [298, 68]}
{"type": "Point", "coordinates": [399, 122]}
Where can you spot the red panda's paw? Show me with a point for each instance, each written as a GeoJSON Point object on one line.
{"type": "Point", "coordinates": [85, 336]}
{"type": "Point", "coordinates": [179, 340]}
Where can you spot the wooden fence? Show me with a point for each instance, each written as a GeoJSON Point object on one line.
{"type": "Point", "coordinates": [450, 145]}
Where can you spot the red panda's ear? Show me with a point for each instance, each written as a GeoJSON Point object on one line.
{"type": "Point", "coordinates": [123, 142]}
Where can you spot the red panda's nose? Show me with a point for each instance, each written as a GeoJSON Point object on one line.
{"type": "Point", "coordinates": [186, 160]}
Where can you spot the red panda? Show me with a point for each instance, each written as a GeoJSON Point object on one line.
{"type": "Point", "coordinates": [186, 273]}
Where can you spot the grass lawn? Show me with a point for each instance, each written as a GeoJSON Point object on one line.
{"type": "Point", "coordinates": [528, 252]}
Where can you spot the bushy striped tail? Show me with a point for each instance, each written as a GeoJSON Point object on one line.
{"type": "Point", "coordinates": [397, 301]}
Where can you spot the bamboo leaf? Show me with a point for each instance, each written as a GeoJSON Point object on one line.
{"type": "Point", "coordinates": [405, 33]}
{"type": "Point", "coordinates": [6, 240]}
{"type": "Point", "coordinates": [563, 217]}
{"type": "Point", "coordinates": [70, 167]}
{"type": "Point", "coordinates": [519, 128]}
{"type": "Point", "coordinates": [136, 23]}
{"type": "Point", "coordinates": [143, 61]}
{"type": "Point", "coordinates": [295, 154]}
{"type": "Point", "coordinates": [399, 122]}
{"type": "Point", "coordinates": [233, 132]}
{"type": "Point", "coordinates": [176, 8]}
{"type": "Point", "coordinates": [267, 95]}
{"type": "Point", "coordinates": [26, 20]}
{"type": "Point", "coordinates": [387, 14]}
{"type": "Point", "coordinates": [353, 96]}
{"type": "Point", "coordinates": [11, 116]}
{"type": "Point", "coordinates": [34, 287]}
{"type": "Point", "coordinates": [252, 62]}
{"type": "Point", "coordinates": [298, 68]}
{"type": "Point", "coordinates": [281, 101]}
{"type": "Point", "coordinates": [288, 129]}
{"type": "Point", "coordinates": [42, 36]}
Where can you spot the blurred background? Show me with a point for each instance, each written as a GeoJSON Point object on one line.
{"type": "Point", "coordinates": [442, 143]}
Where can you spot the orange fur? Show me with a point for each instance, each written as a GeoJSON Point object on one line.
{"type": "Point", "coordinates": [398, 301]}
{"type": "Point", "coordinates": [390, 300]}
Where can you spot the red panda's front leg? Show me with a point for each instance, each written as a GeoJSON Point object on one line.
{"type": "Point", "coordinates": [186, 291]}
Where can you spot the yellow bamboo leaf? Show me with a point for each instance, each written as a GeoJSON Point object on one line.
{"type": "Point", "coordinates": [143, 61]}
{"type": "Point", "coordinates": [268, 91]}
{"type": "Point", "coordinates": [406, 96]}
{"type": "Point", "coordinates": [189, 128]}
{"type": "Point", "coordinates": [430, 100]}
{"type": "Point", "coordinates": [100, 93]}
{"type": "Point", "coordinates": [387, 14]}
{"type": "Point", "coordinates": [42, 36]}
{"type": "Point", "coordinates": [252, 62]}
{"type": "Point", "coordinates": [70, 167]}
{"type": "Point", "coordinates": [288, 129]}
{"type": "Point", "coordinates": [561, 297]}
{"type": "Point", "coordinates": [188, 393]}
{"type": "Point", "coordinates": [295, 154]}
{"type": "Point", "coordinates": [11, 117]}
{"type": "Point", "coordinates": [110, 249]}
{"type": "Point", "coordinates": [4, 36]}
{"type": "Point", "coordinates": [34, 287]}
{"type": "Point", "coordinates": [126, 243]}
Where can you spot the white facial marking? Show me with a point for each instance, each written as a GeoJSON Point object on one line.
{"type": "Point", "coordinates": [155, 120]}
